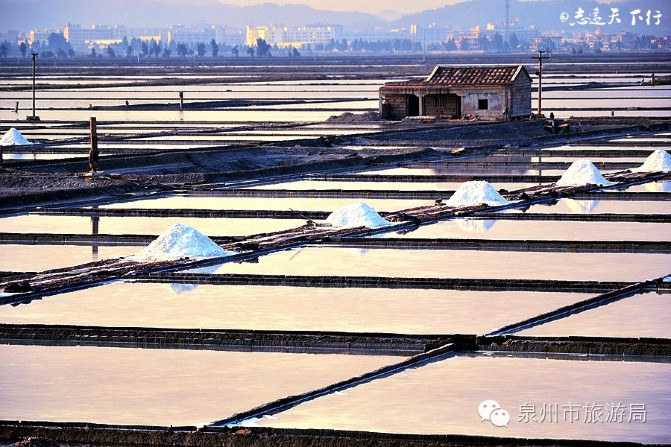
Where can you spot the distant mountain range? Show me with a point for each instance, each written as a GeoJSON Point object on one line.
{"type": "Point", "coordinates": [23, 15]}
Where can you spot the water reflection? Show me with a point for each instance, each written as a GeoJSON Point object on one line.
{"type": "Point", "coordinates": [443, 398]}
{"type": "Point", "coordinates": [158, 386]}
{"type": "Point", "coordinates": [636, 316]}
{"type": "Point", "coordinates": [475, 225]}
{"type": "Point", "coordinates": [580, 206]}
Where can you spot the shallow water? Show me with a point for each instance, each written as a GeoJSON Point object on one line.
{"type": "Point", "coordinates": [457, 264]}
{"type": "Point", "coordinates": [405, 311]}
{"type": "Point", "coordinates": [35, 223]}
{"type": "Point", "coordinates": [158, 386]}
{"type": "Point", "coordinates": [444, 397]}
{"type": "Point", "coordinates": [573, 206]}
{"type": "Point", "coordinates": [262, 203]}
{"type": "Point", "coordinates": [31, 258]}
{"type": "Point", "coordinates": [636, 316]}
{"type": "Point", "coordinates": [381, 186]}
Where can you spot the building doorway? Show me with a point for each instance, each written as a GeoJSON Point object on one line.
{"type": "Point", "coordinates": [413, 105]}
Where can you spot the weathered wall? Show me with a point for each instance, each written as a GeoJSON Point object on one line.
{"type": "Point", "coordinates": [520, 105]}
{"type": "Point", "coordinates": [442, 106]}
{"type": "Point", "coordinates": [393, 107]}
{"type": "Point", "coordinates": [495, 98]}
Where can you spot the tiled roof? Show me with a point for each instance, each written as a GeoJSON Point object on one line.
{"type": "Point", "coordinates": [474, 75]}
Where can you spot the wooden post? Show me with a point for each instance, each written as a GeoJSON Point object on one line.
{"type": "Point", "coordinates": [540, 78]}
{"type": "Point", "coordinates": [181, 100]}
{"type": "Point", "coordinates": [93, 152]}
{"type": "Point", "coordinates": [95, 225]}
{"type": "Point", "coordinates": [33, 117]}
{"type": "Point", "coordinates": [16, 107]}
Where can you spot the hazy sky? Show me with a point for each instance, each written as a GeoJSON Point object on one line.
{"type": "Point", "coordinates": [369, 6]}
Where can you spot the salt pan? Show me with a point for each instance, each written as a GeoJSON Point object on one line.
{"type": "Point", "coordinates": [357, 215]}
{"type": "Point", "coordinates": [582, 172]}
{"type": "Point", "coordinates": [658, 161]}
{"type": "Point", "coordinates": [181, 241]}
{"type": "Point", "coordinates": [475, 193]}
{"type": "Point", "coordinates": [13, 137]}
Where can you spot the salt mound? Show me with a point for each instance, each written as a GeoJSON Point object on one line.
{"type": "Point", "coordinates": [357, 215]}
{"type": "Point", "coordinates": [13, 137]}
{"type": "Point", "coordinates": [181, 241]}
{"type": "Point", "coordinates": [658, 161]}
{"type": "Point", "coordinates": [582, 172]}
{"type": "Point", "coordinates": [475, 193]}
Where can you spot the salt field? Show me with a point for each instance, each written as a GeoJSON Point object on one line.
{"type": "Point", "coordinates": [636, 316]}
{"type": "Point", "coordinates": [60, 383]}
{"type": "Point", "coordinates": [317, 261]}
{"type": "Point", "coordinates": [415, 401]}
{"type": "Point", "coordinates": [256, 267]}
{"type": "Point", "coordinates": [183, 305]}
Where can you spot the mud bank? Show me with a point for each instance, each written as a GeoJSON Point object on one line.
{"type": "Point", "coordinates": [65, 434]}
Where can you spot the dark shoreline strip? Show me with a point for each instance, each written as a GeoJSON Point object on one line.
{"type": "Point", "coordinates": [353, 343]}
{"type": "Point", "coordinates": [383, 282]}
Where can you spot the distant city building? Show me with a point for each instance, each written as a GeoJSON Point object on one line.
{"type": "Point", "coordinates": [40, 35]}
{"type": "Point", "coordinates": [81, 39]}
{"type": "Point", "coordinates": [190, 35]}
{"type": "Point", "coordinates": [228, 36]}
{"type": "Point", "coordinates": [297, 37]}
{"type": "Point", "coordinates": [10, 36]}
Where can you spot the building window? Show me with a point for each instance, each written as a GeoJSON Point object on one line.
{"type": "Point", "coordinates": [441, 102]}
{"type": "Point", "coordinates": [483, 104]}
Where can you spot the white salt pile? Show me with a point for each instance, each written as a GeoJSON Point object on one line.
{"type": "Point", "coordinates": [181, 241]}
{"type": "Point", "coordinates": [658, 161]}
{"type": "Point", "coordinates": [357, 215]}
{"type": "Point", "coordinates": [475, 193]}
{"type": "Point", "coordinates": [582, 172]}
{"type": "Point", "coordinates": [13, 137]}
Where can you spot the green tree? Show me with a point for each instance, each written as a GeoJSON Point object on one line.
{"type": "Point", "coordinates": [215, 48]}
{"type": "Point", "coordinates": [235, 51]}
{"type": "Point", "coordinates": [144, 49]}
{"type": "Point", "coordinates": [110, 52]}
{"type": "Point", "coordinates": [22, 49]}
{"type": "Point", "coordinates": [200, 49]}
{"type": "Point", "coordinates": [154, 48]}
{"type": "Point", "coordinates": [250, 51]}
{"type": "Point", "coordinates": [182, 50]}
{"type": "Point", "coordinates": [262, 48]}
{"type": "Point", "coordinates": [497, 42]}
{"type": "Point", "coordinates": [513, 42]}
{"type": "Point", "coordinates": [3, 49]}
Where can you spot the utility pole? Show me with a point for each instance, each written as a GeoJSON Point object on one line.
{"type": "Point", "coordinates": [540, 77]}
{"type": "Point", "coordinates": [508, 22]}
{"type": "Point", "coordinates": [33, 117]}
